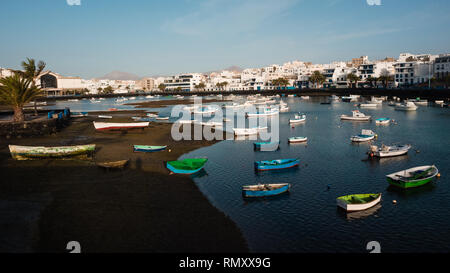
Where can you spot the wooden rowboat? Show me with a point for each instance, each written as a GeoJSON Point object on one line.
{"type": "Point", "coordinates": [146, 148]}
{"type": "Point", "coordinates": [186, 166]}
{"type": "Point", "coordinates": [38, 152]}
{"type": "Point", "coordinates": [265, 190]}
{"type": "Point", "coordinates": [113, 164]}
{"type": "Point", "coordinates": [119, 126]}
{"type": "Point", "coordinates": [358, 202]}
{"type": "Point", "coordinates": [276, 164]}
{"type": "Point", "coordinates": [413, 177]}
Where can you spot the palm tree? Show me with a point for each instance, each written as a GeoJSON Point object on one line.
{"type": "Point", "coordinates": [352, 78]}
{"type": "Point", "coordinates": [317, 78]}
{"type": "Point", "coordinates": [372, 81]}
{"type": "Point", "coordinates": [201, 86]}
{"type": "Point", "coordinates": [32, 72]}
{"type": "Point", "coordinates": [385, 78]}
{"type": "Point", "coordinates": [162, 87]}
{"type": "Point", "coordinates": [16, 91]}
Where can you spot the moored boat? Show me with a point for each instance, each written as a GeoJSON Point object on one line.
{"type": "Point", "coordinates": [78, 114]}
{"type": "Point", "coordinates": [297, 139]}
{"type": "Point", "coordinates": [356, 116]}
{"type": "Point", "coordinates": [266, 146]}
{"type": "Point", "coordinates": [113, 164]}
{"type": "Point", "coordinates": [389, 151]}
{"type": "Point", "coordinates": [40, 152]}
{"type": "Point", "coordinates": [277, 164]}
{"type": "Point", "coordinates": [382, 121]}
{"type": "Point", "coordinates": [245, 131]}
{"type": "Point", "coordinates": [407, 106]}
{"type": "Point", "coordinates": [365, 135]}
{"type": "Point", "coordinates": [368, 105]}
{"type": "Point", "coordinates": [298, 118]}
{"type": "Point", "coordinates": [119, 126]}
{"type": "Point", "coordinates": [147, 148]}
{"type": "Point", "coordinates": [264, 190]}
{"type": "Point", "coordinates": [186, 166]}
{"type": "Point", "coordinates": [413, 177]}
{"type": "Point", "coordinates": [358, 202]}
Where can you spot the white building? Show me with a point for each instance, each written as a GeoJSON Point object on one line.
{"type": "Point", "coordinates": [442, 66]}
{"type": "Point", "coordinates": [185, 82]}
{"type": "Point", "coordinates": [56, 84]}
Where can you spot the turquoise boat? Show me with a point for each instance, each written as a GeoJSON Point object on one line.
{"type": "Point", "coordinates": [186, 166]}
{"type": "Point", "coordinates": [265, 190]}
{"type": "Point", "coordinates": [148, 149]}
{"type": "Point", "coordinates": [266, 146]}
{"type": "Point", "coordinates": [276, 164]}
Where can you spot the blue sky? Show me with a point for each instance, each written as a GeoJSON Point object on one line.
{"type": "Point", "coordinates": [148, 38]}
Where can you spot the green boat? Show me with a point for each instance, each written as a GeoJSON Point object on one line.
{"type": "Point", "coordinates": [186, 166]}
{"type": "Point", "coordinates": [358, 202]}
{"type": "Point", "coordinates": [413, 177]}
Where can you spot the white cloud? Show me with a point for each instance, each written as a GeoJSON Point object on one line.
{"type": "Point", "coordinates": [228, 16]}
{"type": "Point", "coordinates": [74, 2]}
{"type": "Point", "coordinates": [374, 2]}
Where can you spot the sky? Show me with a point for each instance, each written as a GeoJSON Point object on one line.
{"type": "Point", "coordinates": [90, 38]}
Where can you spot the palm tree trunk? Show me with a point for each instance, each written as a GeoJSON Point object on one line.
{"type": "Point", "coordinates": [35, 108]}
{"type": "Point", "coordinates": [18, 114]}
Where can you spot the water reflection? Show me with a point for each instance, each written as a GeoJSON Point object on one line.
{"type": "Point", "coordinates": [358, 214]}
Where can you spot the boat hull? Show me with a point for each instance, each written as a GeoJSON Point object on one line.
{"type": "Point", "coordinates": [103, 126]}
{"type": "Point", "coordinates": [265, 193]}
{"type": "Point", "coordinates": [260, 166]}
{"type": "Point", "coordinates": [407, 185]}
{"type": "Point", "coordinates": [63, 152]}
{"type": "Point", "coordinates": [148, 149]}
{"type": "Point", "coordinates": [357, 207]}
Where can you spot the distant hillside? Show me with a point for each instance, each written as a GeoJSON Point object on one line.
{"type": "Point", "coordinates": [119, 75]}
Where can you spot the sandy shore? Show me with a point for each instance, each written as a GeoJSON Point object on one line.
{"type": "Point", "coordinates": [45, 204]}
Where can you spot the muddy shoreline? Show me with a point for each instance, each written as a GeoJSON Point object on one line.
{"type": "Point", "coordinates": [47, 203]}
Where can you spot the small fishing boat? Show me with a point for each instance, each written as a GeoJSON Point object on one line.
{"type": "Point", "coordinates": [105, 117]}
{"type": "Point", "coordinates": [39, 152]}
{"type": "Point", "coordinates": [245, 131]}
{"type": "Point", "coordinates": [148, 149]}
{"type": "Point", "coordinates": [413, 177]}
{"type": "Point", "coordinates": [304, 97]}
{"type": "Point", "coordinates": [382, 121]}
{"type": "Point", "coordinates": [78, 114]}
{"type": "Point", "coordinates": [141, 118]}
{"type": "Point", "coordinates": [112, 109]}
{"type": "Point", "coordinates": [297, 139]}
{"type": "Point", "coordinates": [389, 151]}
{"type": "Point", "coordinates": [276, 164]}
{"type": "Point", "coordinates": [407, 106]}
{"type": "Point", "coordinates": [119, 126]}
{"type": "Point", "coordinates": [113, 164]}
{"type": "Point", "coordinates": [365, 135]}
{"type": "Point", "coordinates": [73, 100]}
{"type": "Point", "coordinates": [298, 118]}
{"type": "Point", "coordinates": [358, 202]}
{"type": "Point", "coordinates": [265, 113]}
{"type": "Point", "coordinates": [264, 190]}
{"type": "Point", "coordinates": [266, 146]}
{"type": "Point", "coordinates": [357, 116]}
{"type": "Point", "coordinates": [162, 118]}
{"type": "Point", "coordinates": [186, 166]}
{"type": "Point", "coordinates": [151, 115]}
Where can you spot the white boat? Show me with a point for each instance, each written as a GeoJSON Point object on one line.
{"type": "Point", "coordinates": [376, 100]}
{"type": "Point", "coordinates": [162, 118]}
{"type": "Point", "coordinates": [149, 97]}
{"type": "Point", "coordinates": [357, 116]}
{"type": "Point", "coordinates": [389, 151]}
{"type": "Point", "coordinates": [304, 97]}
{"type": "Point", "coordinates": [118, 126]}
{"type": "Point", "coordinates": [408, 106]}
{"type": "Point", "coordinates": [245, 131]}
{"type": "Point", "coordinates": [211, 123]}
{"type": "Point", "coordinates": [298, 118]}
{"type": "Point", "coordinates": [358, 202]}
{"type": "Point", "coordinates": [102, 116]}
{"type": "Point", "coordinates": [382, 121]}
{"type": "Point", "coordinates": [73, 100]}
{"type": "Point", "coordinates": [150, 115]}
{"type": "Point", "coordinates": [368, 105]}
{"type": "Point", "coordinates": [297, 139]}
{"type": "Point", "coordinates": [266, 112]}
{"type": "Point", "coordinates": [365, 135]}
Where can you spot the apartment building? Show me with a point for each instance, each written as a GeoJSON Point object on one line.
{"type": "Point", "coordinates": [442, 66]}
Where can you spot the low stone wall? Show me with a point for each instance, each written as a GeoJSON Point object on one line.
{"type": "Point", "coordinates": [34, 128]}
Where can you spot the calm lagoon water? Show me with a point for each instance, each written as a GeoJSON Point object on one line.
{"type": "Point", "coordinates": [307, 219]}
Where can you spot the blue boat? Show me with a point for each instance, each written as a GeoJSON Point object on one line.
{"type": "Point", "coordinates": [265, 190]}
{"type": "Point", "coordinates": [266, 146]}
{"type": "Point", "coordinates": [276, 164]}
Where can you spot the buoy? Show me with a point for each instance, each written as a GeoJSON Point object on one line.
{"type": "Point", "coordinates": [438, 175]}
{"type": "Point", "coordinates": [394, 201]}
{"type": "Point", "coordinates": [170, 150]}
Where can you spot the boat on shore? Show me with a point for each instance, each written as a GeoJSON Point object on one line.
{"type": "Point", "coordinates": [276, 164]}
{"type": "Point", "coordinates": [407, 106]}
{"type": "Point", "coordinates": [297, 139]}
{"type": "Point", "coordinates": [264, 190]}
{"type": "Point", "coordinates": [113, 164]}
{"type": "Point", "coordinates": [414, 177]}
{"type": "Point", "coordinates": [119, 126]}
{"type": "Point", "coordinates": [40, 152]}
{"type": "Point", "coordinates": [389, 151]}
{"type": "Point", "coordinates": [141, 118]}
{"type": "Point", "coordinates": [105, 117]}
{"type": "Point", "coordinates": [186, 166]}
{"type": "Point", "coordinates": [358, 202]}
{"type": "Point", "coordinates": [382, 121]}
{"type": "Point", "coordinates": [356, 116]}
{"type": "Point", "coordinates": [78, 114]}
{"type": "Point", "coordinates": [365, 135]}
{"type": "Point", "coordinates": [147, 148]}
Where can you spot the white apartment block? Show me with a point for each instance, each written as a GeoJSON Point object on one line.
{"type": "Point", "coordinates": [442, 66]}
{"type": "Point", "coordinates": [186, 82]}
